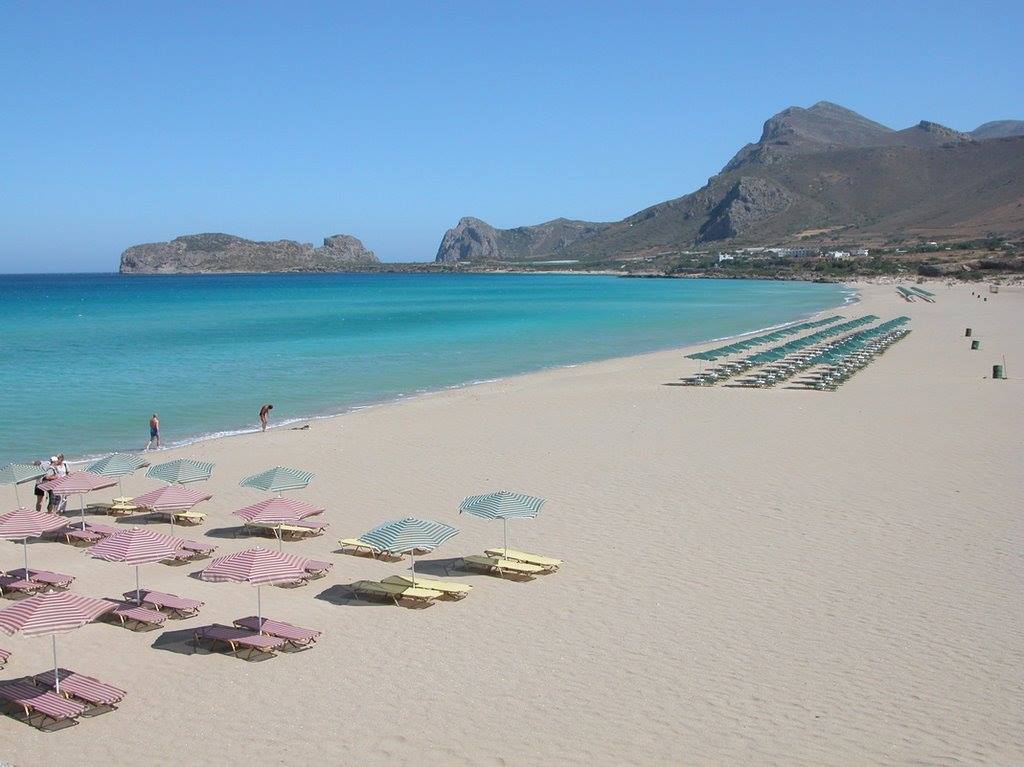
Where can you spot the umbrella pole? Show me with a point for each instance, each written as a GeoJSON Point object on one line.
{"type": "Point", "coordinates": [505, 521]}
{"type": "Point", "coordinates": [56, 670]}
{"type": "Point", "coordinates": [259, 610]}
{"type": "Point", "coordinates": [138, 591]}
{"type": "Point", "coordinates": [81, 503]}
{"type": "Point", "coordinates": [280, 540]}
{"type": "Point", "coordinates": [412, 557]}
{"type": "Point", "coordinates": [24, 543]}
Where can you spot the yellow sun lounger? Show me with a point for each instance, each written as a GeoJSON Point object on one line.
{"type": "Point", "coordinates": [447, 588]}
{"type": "Point", "coordinates": [549, 563]}
{"type": "Point", "coordinates": [358, 546]}
{"type": "Point", "coordinates": [395, 591]}
{"type": "Point", "coordinates": [500, 566]}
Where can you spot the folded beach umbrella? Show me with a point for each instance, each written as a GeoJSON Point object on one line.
{"type": "Point", "coordinates": [136, 547]}
{"type": "Point", "coordinates": [409, 536]}
{"type": "Point", "coordinates": [117, 465]}
{"type": "Point", "coordinates": [181, 471]}
{"type": "Point", "coordinates": [16, 473]}
{"type": "Point", "coordinates": [503, 505]}
{"type": "Point", "coordinates": [22, 524]}
{"type": "Point", "coordinates": [259, 567]}
{"type": "Point", "coordinates": [80, 484]}
{"type": "Point", "coordinates": [275, 512]}
{"type": "Point", "coordinates": [52, 613]}
{"type": "Point", "coordinates": [277, 479]}
{"type": "Point", "coordinates": [171, 498]}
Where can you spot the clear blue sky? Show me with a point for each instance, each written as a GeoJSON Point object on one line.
{"type": "Point", "coordinates": [137, 121]}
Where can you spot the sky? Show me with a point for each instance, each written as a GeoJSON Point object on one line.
{"type": "Point", "coordinates": [130, 122]}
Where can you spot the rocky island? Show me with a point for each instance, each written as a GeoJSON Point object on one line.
{"type": "Point", "coordinates": [206, 253]}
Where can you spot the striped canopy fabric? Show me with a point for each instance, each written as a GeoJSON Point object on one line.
{"type": "Point", "coordinates": [20, 524]}
{"type": "Point", "coordinates": [171, 498]}
{"type": "Point", "coordinates": [257, 566]}
{"type": "Point", "coordinates": [277, 479]}
{"type": "Point", "coordinates": [54, 612]}
{"type": "Point", "coordinates": [278, 511]}
{"type": "Point", "coordinates": [117, 465]}
{"type": "Point", "coordinates": [502, 504]}
{"type": "Point", "coordinates": [136, 547]}
{"type": "Point", "coordinates": [409, 535]}
{"type": "Point", "coordinates": [77, 484]}
{"type": "Point", "coordinates": [181, 471]}
{"type": "Point", "coordinates": [16, 473]}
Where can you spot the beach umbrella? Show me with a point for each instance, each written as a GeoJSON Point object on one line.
{"type": "Point", "coordinates": [257, 566]}
{"type": "Point", "coordinates": [22, 524]}
{"type": "Point", "coordinates": [181, 471]}
{"type": "Point", "coordinates": [278, 479]}
{"type": "Point", "coordinates": [171, 498]}
{"type": "Point", "coordinates": [275, 512]}
{"type": "Point", "coordinates": [16, 473]}
{"type": "Point", "coordinates": [136, 547]}
{"type": "Point", "coordinates": [409, 536]}
{"type": "Point", "coordinates": [80, 484]}
{"type": "Point", "coordinates": [503, 505]}
{"type": "Point", "coordinates": [117, 465]}
{"type": "Point", "coordinates": [52, 613]}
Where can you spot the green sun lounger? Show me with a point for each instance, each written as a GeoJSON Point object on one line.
{"type": "Point", "coordinates": [548, 563]}
{"type": "Point", "coordinates": [499, 566]}
{"type": "Point", "coordinates": [394, 591]}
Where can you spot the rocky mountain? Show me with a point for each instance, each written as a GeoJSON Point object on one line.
{"type": "Point", "coordinates": [226, 253]}
{"type": "Point", "coordinates": [475, 240]}
{"type": "Point", "coordinates": [812, 173]}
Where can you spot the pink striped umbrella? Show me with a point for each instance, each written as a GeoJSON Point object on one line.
{"type": "Point", "coordinates": [136, 547]}
{"type": "Point", "coordinates": [171, 498]}
{"type": "Point", "coordinates": [52, 613]}
{"type": "Point", "coordinates": [276, 512]}
{"type": "Point", "coordinates": [79, 484]}
{"type": "Point", "coordinates": [22, 524]}
{"type": "Point", "coordinates": [257, 566]}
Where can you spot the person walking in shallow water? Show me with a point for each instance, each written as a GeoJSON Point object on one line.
{"type": "Point", "coordinates": [264, 415]}
{"type": "Point", "coordinates": [154, 431]}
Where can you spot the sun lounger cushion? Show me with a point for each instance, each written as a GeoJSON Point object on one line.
{"type": "Point", "coordinates": [358, 545]}
{"type": "Point", "coordinates": [43, 703]}
{"type": "Point", "coordinates": [238, 638]}
{"type": "Point", "coordinates": [198, 548]}
{"type": "Point", "coordinates": [500, 566]}
{"type": "Point", "coordinates": [318, 569]}
{"type": "Point", "coordinates": [85, 688]}
{"type": "Point", "coordinates": [448, 588]}
{"type": "Point", "coordinates": [525, 556]}
{"type": "Point", "coordinates": [129, 613]}
{"type": "Point", "coordinates": [292, 634]}
{"type": "Point", "coordinates": [395, 591]}
{"type": "Point", "coordinates": [18, 585]}
{"type": "Point", "coordinates": [44, 576]}
{"type": "Point", "coordinates": [172, 602]}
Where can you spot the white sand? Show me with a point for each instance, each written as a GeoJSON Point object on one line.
{"type": "Point", "coordinates": [753, 577]}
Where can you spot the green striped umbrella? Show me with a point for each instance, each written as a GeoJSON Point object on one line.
{"type": "Point", "coordinates": [16, 473]}
{"type": "Point", "coordinates": [277, 479]}
{"type": "Point", "coordinates": [181, 471]}
{"type": "Point", "coordinates": [408, 536]}
{"type": "Point", "coordinates": [117, 465]}
{"type": "Point", "coordinates": [503, 505]}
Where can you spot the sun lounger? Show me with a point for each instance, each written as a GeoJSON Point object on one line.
{"type": "Point", "coordinates": [549, 563]}
{"type": "Point", "coordinates": [40, 706]}
{"type": "Point", "coordinates": [243, 642]}
{"type": "Point", "coordinates": [134, 617]}
{"type": "Point", "coordinates": [9, 584]}
{"type": "Point", "coordinates": [45, 577]}
{"type": "Point", "coordinates": [394, 591]}
{"type": "Point", "coordinates": [83, 688]}
{"type": "Point", "coordinates": [180, 607]}
{"type": "Point", "coordinates": [450, 589]}
{"type": "Point", "coordinates": [184, 517]}
{"type": "Point", "coordinates": [300, 529]}
{"type": "Point", "coordinates": [293, 635]}
{"type": "Point", "coordinates": [4, 655]}
{"type": "Point", "coordinates": [317, 569]}
{"type": "Point", "coordinates": [500, 566]}
{"type": "Point", "coordinates": [357, 547]}
{"type": "Point", "coordinates": [191, 551]}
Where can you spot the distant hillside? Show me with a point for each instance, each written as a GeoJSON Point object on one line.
{"type": "Point", "coordinates": [813, 171]}
{"type": "Point", "coordinates": [227, 253]}
{"type": "Point", "coordinates": [475, 240]}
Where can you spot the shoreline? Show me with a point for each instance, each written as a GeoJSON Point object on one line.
{"type": "Point", "coordinates": [852, 297]}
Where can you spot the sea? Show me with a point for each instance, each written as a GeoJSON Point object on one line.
{"type": "Point", "coordinates": [86, 359]}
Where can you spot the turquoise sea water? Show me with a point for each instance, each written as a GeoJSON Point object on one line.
{"type": "Point", "coordinates": [85, 359]}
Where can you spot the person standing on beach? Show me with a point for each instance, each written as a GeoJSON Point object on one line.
{"type": "Point", "coordinates": [58, 468]}
{"type": "Point", "coordinates": [39, 492]}
{"type": "Point", "coordinates": [154, 431]}
{"type": "Point", "coordinates": [264, 414]}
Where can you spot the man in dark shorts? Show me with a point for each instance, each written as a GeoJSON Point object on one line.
{"type": "Point", "coordinates": [154, 431]}
{"type": "Point", "coordinates": [264, 414]}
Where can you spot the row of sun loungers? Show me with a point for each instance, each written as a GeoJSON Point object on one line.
{"type": "Point", "coordinates": [36, 699]}
{"type": "Point", "coordinates": [251, 637]}
{"type": "Point", "coordinates": [25, 582]}
{"type": "Point", "coordinates": [299, 529]}
{"type": "Point", "coordinates": [760, 340]}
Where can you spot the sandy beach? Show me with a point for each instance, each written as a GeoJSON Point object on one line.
{"type": "Point", "coordinates": [763, 577]}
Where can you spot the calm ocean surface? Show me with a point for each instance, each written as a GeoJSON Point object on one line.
{"type": "Point", "coordinates": [85, 359]}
